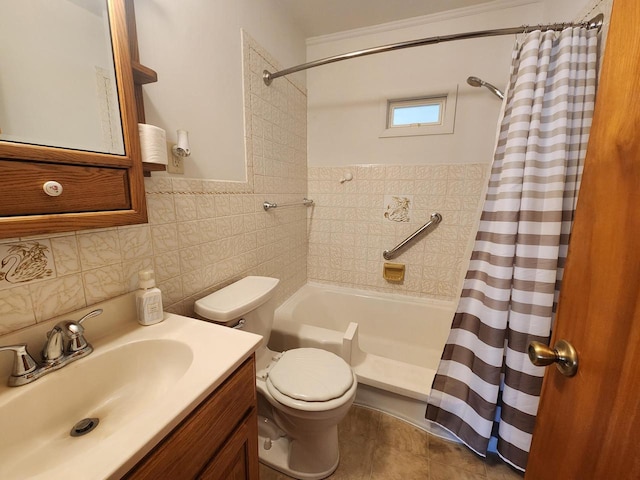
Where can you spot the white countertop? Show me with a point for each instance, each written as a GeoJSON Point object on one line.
{"type": "Point", "coordinates": [197, 356]}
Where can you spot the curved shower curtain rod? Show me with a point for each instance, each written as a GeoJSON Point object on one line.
{"type": "Point", "coordinates": [268, 77]}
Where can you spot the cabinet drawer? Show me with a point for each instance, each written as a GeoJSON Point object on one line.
{"type": "Point", "coordinates": [185, 452]}
{"type": "Point", "coordinates": [84, 188]}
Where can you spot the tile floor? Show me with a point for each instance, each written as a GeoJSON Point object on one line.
{"type": "Point", "coordinates": [375, 446]}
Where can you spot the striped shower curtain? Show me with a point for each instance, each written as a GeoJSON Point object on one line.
{"type": "Point", "coordinates": [485, 385]}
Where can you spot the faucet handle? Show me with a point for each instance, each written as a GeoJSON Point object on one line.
{"type": "Point", "coordinates": [23, 363]}
{"type": "Point", "coordinates": [93, 313]}
{"type": "Point", "coordinates": [75, 333]}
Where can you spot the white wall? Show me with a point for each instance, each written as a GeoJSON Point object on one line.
{"type": "Point", "coordinates": [194, 46]}
{"type": "Point", "coordinates": [345, 118]}
{"type": "Point", "coordinates": [565, 10]}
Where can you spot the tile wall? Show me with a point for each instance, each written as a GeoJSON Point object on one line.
{"type": "Point", "coordinates": [348, 230]}
{"type": "Point", "coordinates": [201, 234]}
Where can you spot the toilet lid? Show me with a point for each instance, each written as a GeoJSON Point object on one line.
{"type": "Point", "coordinates": [311, 375]}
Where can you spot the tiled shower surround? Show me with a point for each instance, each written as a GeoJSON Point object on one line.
{"type": "Point", "coordinates": [348, 231]}
{"type": "Point", "coordinates": [201, 234]}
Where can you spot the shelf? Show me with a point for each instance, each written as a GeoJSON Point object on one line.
{"type": "Point", "coordinates": [143, 75]}
{"type": "Point", "coordinates": [152, 167]}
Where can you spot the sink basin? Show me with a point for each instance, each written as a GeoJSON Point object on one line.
{"type": "Point", "coordinates": [111, 386]}
{"type": "Point", "coordinates": [139, 382]}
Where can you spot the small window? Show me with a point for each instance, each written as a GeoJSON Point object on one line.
{"type": "Point", "coordinates": [431, 113]}
{"type": "Point", "coordinates": [415, 113]}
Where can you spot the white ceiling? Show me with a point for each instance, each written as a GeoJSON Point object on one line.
{"type": "Point", "coordinates": [322, 17]}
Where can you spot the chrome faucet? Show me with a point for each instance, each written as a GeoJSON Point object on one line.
{"type": "Point", "coordinates": [54, 347]}
{"type": "Point", "coordinates": [56, 352]}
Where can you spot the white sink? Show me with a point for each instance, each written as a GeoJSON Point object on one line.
{"type": "Point", "coordinates": [139, 382]}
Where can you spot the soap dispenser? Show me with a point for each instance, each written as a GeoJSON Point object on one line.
{"type": "Point", "coordinates": [148, 299]}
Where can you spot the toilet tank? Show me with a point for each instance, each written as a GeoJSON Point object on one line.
{"type": "Point", "coordinates": [250, 298]}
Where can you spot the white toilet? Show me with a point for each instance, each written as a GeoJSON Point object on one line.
{"type": "Point", "coordinates": [302, 393]}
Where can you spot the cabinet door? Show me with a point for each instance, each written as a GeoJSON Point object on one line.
{"type": "Point", "coordinates": [190, 448]}
{"type": "Point", "coordinates": [238, 460]}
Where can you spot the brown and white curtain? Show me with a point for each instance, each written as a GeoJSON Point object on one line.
{"type": "Point", "coordinates": [485, 385]}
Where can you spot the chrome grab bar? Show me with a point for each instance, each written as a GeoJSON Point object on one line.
{"type": "Point", "coordinates": [269, 205]}
{"type": "Point", "coordinates": [435, 219]}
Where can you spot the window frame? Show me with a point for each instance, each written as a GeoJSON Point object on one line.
{"type": "Point", "coordinates": [393, 105]}
{"type": "Point", "coordinates": [446, 98]}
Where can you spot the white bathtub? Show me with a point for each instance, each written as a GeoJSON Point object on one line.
{"type": "Point", "coordinates": [393, 342]}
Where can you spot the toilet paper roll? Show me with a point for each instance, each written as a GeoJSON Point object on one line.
{"type": "Point", "coordinates": [153, 142]}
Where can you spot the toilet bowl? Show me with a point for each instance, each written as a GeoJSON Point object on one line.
{"type": "Point", "coordinates": [302, 393]}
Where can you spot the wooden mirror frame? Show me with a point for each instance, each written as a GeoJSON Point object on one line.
{"type": "Point", "coordinates": [129, 165]}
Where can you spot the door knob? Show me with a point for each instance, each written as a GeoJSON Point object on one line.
{"type": "Point", "coordinates": [562, 354]}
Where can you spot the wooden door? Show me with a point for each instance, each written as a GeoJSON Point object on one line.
{"type": "Point", "coordinates": [588, 426]}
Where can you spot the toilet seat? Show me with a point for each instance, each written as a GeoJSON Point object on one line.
{"type": "Point", "coordinates": [310, 379]}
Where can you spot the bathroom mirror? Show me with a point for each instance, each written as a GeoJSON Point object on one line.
{"type": "Point", "coordinates": [57, 76]}
{"type": "Point", "coordinates": [69, 148]}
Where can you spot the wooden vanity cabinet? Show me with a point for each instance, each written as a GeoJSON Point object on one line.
{"type": "Point", "coordinates": [217, 441]}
